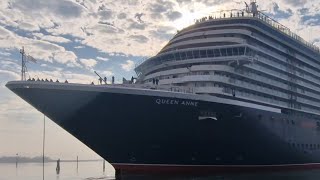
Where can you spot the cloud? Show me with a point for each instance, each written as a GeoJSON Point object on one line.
{"type": "Point", "coordinates": [65, 57]}
{"type": "Point", "coordinates": [136, 25]}
{"type": "Point", "coordinates": [296, 2]}
{"type": "Point", "coordinates": [79, 47]}
{"type": "Point", "coordinates": [102, 58]}
{"type": "Point", "coordinates": [311, 20]}
{"type": "Point", "coordinates": [88, 63]}
{"type": "Point", "coordinates": [281, 14]}
{"type": "Point", "coordinates": [5, 75]}
{"type": "Point", "coordinates": [128, 66]}
{"type": "Point", "coordinates": [50, 38]}
{"type": "Point", "coordinates": [173, 15]}
{"type": "Point", "coordinates": [39, 49]}
{"type": "Point", "coordinates": [122, 16]}
{"type": "Point", "coordinates": [5, 53]}
{"type": "Point", "coordinates": [163, 32]}
{"type": "Point", "coordinates": [139, 38]}
{"type": "Point", "coordinates": [62, 8]}
{"type": "Point", "coordinates": [105, 14]}
{"type": "Point", "coordinates": [107, 73]}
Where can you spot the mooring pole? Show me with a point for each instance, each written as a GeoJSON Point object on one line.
{"type": "Point", "coordinates": [104, 165]}
{"type": "Point", "coordinates": [77, 163]}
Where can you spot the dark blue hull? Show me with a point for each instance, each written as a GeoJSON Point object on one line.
{"type": "Point", "coordinates": [139, 131]}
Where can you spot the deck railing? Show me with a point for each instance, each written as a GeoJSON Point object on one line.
{"type": "Point", "coordinates": [261, 16]}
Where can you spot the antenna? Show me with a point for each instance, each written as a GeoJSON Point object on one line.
{"type": "Point", "coordinates": [24, 59]}
{"type": "Point", "coordinates": [23, 65]}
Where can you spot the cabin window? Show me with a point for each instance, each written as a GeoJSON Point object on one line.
{"type": "Point", "coordinates": [241, 51]}
{"type": "Point", "coordinates": [210, 53]}
{"type": "Point", "coordinates": [196, 54]}
{"type": "Point", "coordinates": [183, 55]}
{"type": "Point", "coordinates": [235, 51]}
{"type": "Point", "coordinates": [217, 53]}
{"type": "Point", "coordinates": [189, 55]}
{"type": "Point", "coordinates": [203, 53]}
{"type": "Point", "coordinates": [177, 56]}
{"type": "Point", "coordinates": [229, 52]}
{"type": "Point", "coordinates": [223, 52]}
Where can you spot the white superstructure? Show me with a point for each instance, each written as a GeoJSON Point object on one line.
{"type": "Point", "coordinates": [241, 55]}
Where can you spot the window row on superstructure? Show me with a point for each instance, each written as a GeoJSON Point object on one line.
{"type": "Point", "coordinates": [258, 25]}
{"type": "Point", "coordinates": [256, 34]}
{"type": "Point", "coordinates": [299, 77]}
{"type": "Point", "coordinates": [256, 87]}
{"type": "Point", "coordinates": [197, 54]}
{"type": "Point", "coordinates": [264, 43]}
{"type": "Point", "coordinates": [224, 37]}
{"type": "Point", "coordinates": [251, 82]}
{"type": "Point", "coordinates": [273, 68]}
{"type": "Point", "coordinates": [283, 55]}
{"type": "Point", "coordinates": [312, 74]}
{"type": "Point", "coordinates": [276, 76]}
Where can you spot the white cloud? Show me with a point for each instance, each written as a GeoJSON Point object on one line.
{"type": "Point", "coordinates": [102, 58]}
{"type": "Point", "coordinates": [128, 66]}
{"type": "Point", "coordinates": [5, 53]}
{"type": "Point", "coordinates": [107, 73]}
{"type": "Point", "coordinates": [8, 75]}
{"type": "Point", "coordinates": [64, 57]}
{"type": "Point", "coordinates": [56, 39]}
{"type": "Point", "coordinates": [39, 49]}
{"type": "Point", "coordinates": [88, 63]}
{"type": "Point", "coordinates": [79, 47]}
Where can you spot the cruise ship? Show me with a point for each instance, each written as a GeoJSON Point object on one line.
{"type": "Point", "coordinates": [235, 91]}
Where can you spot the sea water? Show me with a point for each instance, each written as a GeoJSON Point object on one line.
{"type": "Point", "coordinates": [68, 171]}
{"type": "Point", "coordinates": [94, 171]}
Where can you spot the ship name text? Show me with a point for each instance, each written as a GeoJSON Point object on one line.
{"type": "Point", "coordinates": [176, 102]}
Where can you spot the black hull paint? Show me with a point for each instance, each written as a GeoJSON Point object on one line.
{"type": "Point", "coordinates": [133, 131]}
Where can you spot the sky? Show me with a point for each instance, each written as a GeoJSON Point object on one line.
{"type": "Point", "coordinates": [73, 38]}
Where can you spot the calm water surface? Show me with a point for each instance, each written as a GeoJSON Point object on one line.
{"type": "Point", "coordinates": [68, 171]}
{"type": "Point", "coordinates": [94, 171]}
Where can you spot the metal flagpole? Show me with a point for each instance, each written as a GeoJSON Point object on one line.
{"type": "Point", "coordinates": [22, 64]}
{"type": "Point", "coordinates": [43, 144]}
